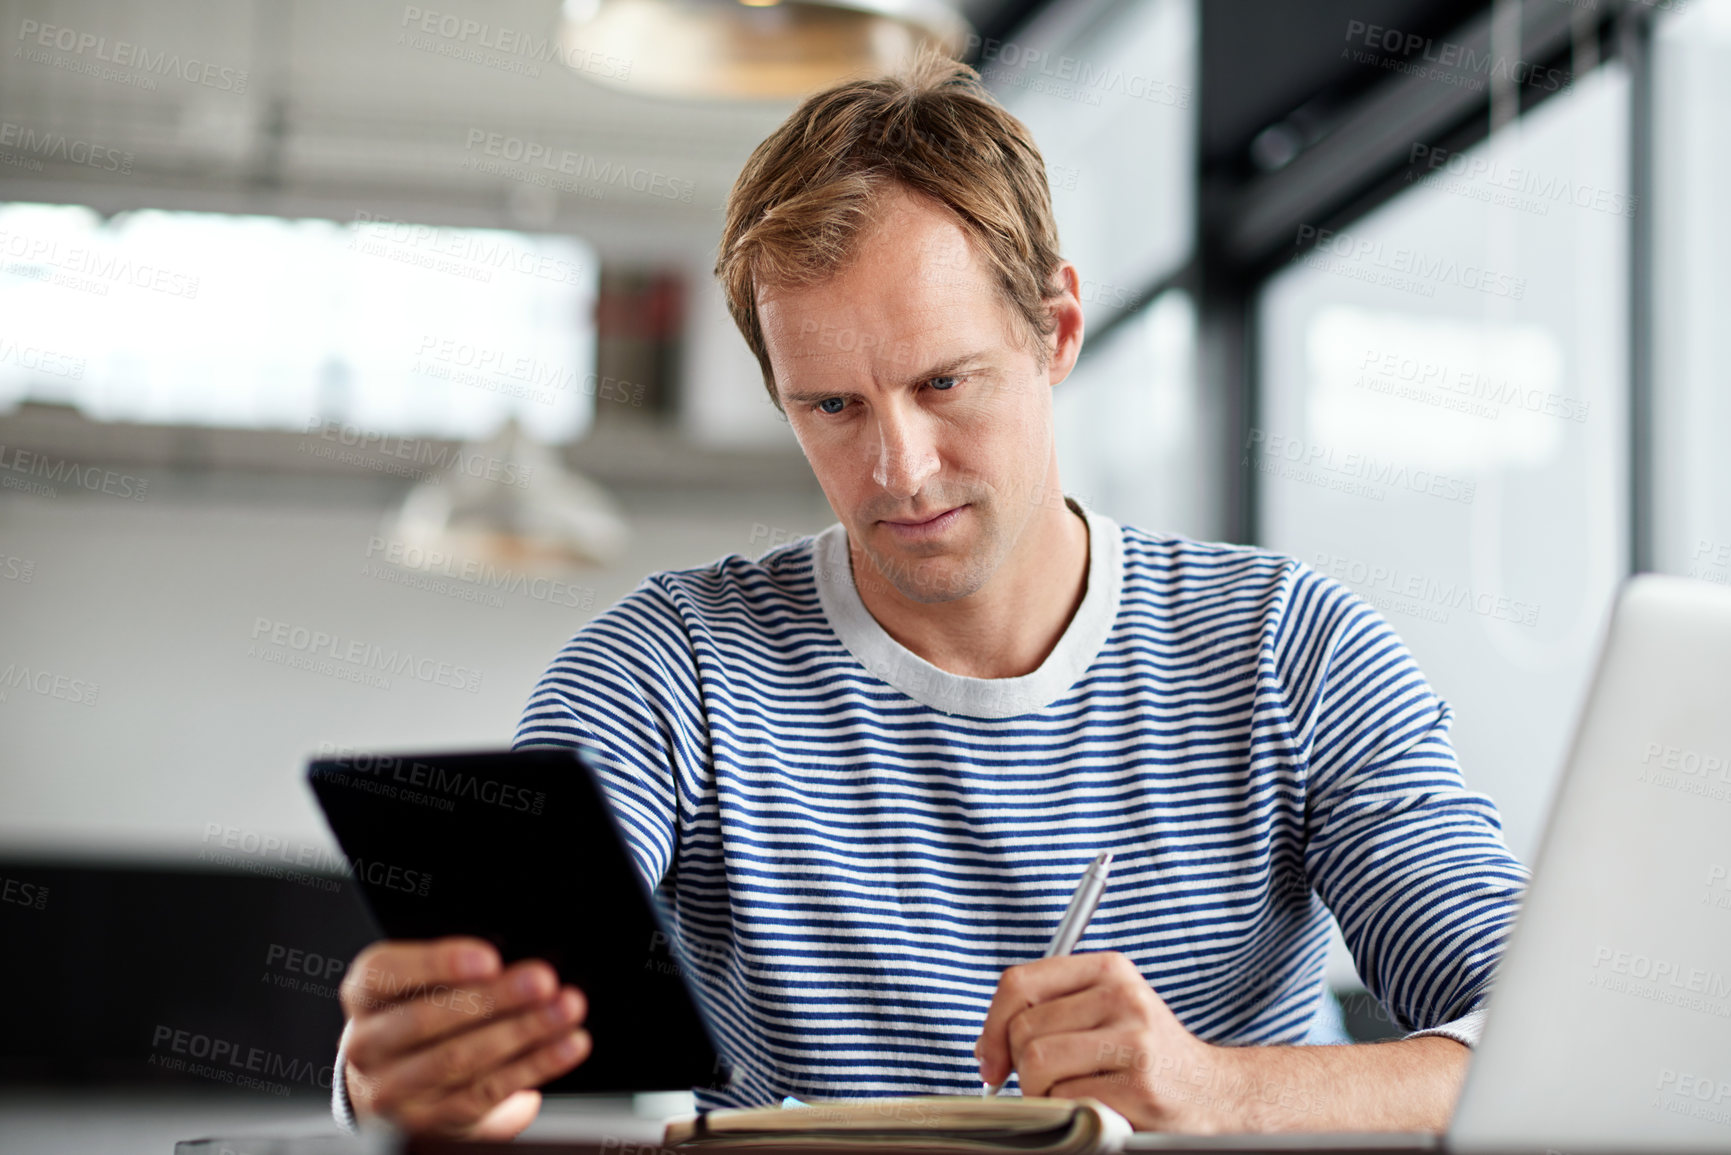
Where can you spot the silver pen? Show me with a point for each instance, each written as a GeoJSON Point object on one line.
{"type": "Point", "coordinates": [1075, 921]}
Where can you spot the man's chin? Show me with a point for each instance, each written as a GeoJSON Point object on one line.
{"type": "Point", "coordinates": [941, 577]}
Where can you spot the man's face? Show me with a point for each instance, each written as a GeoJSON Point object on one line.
{"type": "Point", "coordinates": [919, 401]}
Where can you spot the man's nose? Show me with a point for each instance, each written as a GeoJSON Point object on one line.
{"type": "Point", "coordinates": [906, 454]}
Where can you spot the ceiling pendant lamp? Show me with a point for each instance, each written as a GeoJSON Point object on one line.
{"type": "Point", "coordinates": [750, 49]}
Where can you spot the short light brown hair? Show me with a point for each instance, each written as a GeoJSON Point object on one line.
{"type": "Point", "coordinates": [810, 188]}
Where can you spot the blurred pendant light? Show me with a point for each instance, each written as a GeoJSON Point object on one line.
{"type": "Point", "coordinates": [750, 49]}
{"type": "Point", "coordinates": [511, 501]}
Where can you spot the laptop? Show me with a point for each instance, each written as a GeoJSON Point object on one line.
{"type": "Point", "coordinates": [1609, 1028]}
{"type": "Point", "coordinates": [1610, 1024]}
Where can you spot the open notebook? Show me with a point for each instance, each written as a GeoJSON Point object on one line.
{"type": "Point", "coordinates": [930, 1123]}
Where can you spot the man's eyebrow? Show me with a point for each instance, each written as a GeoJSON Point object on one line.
{"type": "Point", "coordinates": [942, 368]}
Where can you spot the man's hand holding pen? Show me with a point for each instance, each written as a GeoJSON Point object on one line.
{"type": "Point", "coordinates": [1090, 1026]}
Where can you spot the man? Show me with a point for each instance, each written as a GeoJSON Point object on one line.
{"type": "Point", "coordinates": [867, 769]}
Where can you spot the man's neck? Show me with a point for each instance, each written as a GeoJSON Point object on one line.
{"type": "Point", "coordinates": [1007, 628]}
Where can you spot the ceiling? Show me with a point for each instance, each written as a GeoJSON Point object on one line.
{"type": "Point", "coordinates": [336, 109]}
{"type": "Point", "coordinates": [353, 109]}
{"type": "Point", "coordinates": [1263, 59]}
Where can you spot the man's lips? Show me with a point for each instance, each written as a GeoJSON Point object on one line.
{"type": "Point", "coordinates": [926, 521]}
{"type": "Point", "coordinates": [934, 528]}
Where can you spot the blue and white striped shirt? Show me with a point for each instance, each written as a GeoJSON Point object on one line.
{"type": "Point", "coordinates": [853, 844]}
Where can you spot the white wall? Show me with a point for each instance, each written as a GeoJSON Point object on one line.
{"type": "Point", "coordinates": [156, 603]}
{"type": "Point", "coordinates": [723, 401]}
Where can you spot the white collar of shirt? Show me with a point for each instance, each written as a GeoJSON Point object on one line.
{"type": "Point", "coordinates": [951, 693]}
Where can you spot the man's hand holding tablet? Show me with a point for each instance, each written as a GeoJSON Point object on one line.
{"type": "Point", "coordinates": [441, 1038]}
{"type": "Point", "coordinates": [504, 894]}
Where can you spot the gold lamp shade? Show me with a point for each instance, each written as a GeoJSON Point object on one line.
{"type": "Point", "coordinates": [748, 49]}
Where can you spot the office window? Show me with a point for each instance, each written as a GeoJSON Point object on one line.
{"type": "Point", "coordinates": [1443, 425]}
{"type": "Point", "coordinates": [174, 318]}
{"type": "Point", "coordinates": [1692, 291]}
{"type": "Point", "coordinates": [1128, 419]}
{"type": "Point", "coordinates": [1112, 107]}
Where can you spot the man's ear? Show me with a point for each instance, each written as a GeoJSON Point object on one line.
{"type": "Point", "coordinates": [1064, 343]}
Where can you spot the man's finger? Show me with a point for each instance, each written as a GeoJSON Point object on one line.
{"type": "Point", "coordinates": [1084, 1010]}
{"type": "Point", "coordinates": [481, 1096]}
{"type": "Point", "coordinates": [1054, 1059]}
{"type": "Point", "coordinates": [435, 1071]}
{"type": "Point", "coordinates": [445, 1012]}
{"type": "Point", "coordinates": [392, 971]}
{"type": "Point", "coordinates": [1027, 986]}
{"type": "Point", "coordinates": [508, 1118]}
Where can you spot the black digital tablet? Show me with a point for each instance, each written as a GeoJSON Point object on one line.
{"type": "Point", "coordinates": [520, 848]}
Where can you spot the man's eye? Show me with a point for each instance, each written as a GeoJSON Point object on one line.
{"type": "Point", "coordinates": [943, 383]}
{"type": "Point", "coordinates": [831, 405]}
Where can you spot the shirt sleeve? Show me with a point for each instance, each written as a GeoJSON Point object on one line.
{"type": "Point", "coordinates": [1464, 1030]}
{"type": "Point", "coordinates": [627, 689]}
{"type": "Point", "coordinates": [1412, 863]}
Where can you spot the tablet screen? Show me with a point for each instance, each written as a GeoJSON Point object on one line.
{"type": "Point", "coordinates": [520, 848]}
